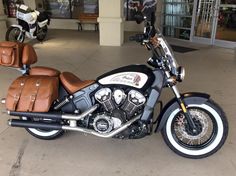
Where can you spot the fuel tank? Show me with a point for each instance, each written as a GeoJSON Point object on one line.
{"type": "Point", "coordinates": [136, 76]}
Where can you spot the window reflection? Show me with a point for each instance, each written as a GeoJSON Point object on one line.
{"type": "Point", "coordinates": [70, 8]}
{"type": "Point", "coordinates": [226, 28]}
{"type": "Point", "coordinates": [177, 16]}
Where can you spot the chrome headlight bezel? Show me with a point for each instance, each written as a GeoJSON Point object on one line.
{"type": "Point", "coordinates": [180, 74]}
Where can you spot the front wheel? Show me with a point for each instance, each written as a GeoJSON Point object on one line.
{"type": "Point", "coordinates": [14, 34]}
{"type": "Point", "coordinates": [212, 130]}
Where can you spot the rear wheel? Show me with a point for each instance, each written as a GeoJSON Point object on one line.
{"type": "Point", "coordinates": [212, 130]}
{"type": "Point", "coordinates": [14, 34]}
{"type": "Point", "coordinates": [43, 134]}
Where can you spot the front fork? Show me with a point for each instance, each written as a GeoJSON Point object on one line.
{"type": "Point", "coordinates": [181, 103]}
{"type": "Point", "coordinates": [20, 36]}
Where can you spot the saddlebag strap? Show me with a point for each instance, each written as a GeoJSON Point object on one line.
{"type": "Point", "coordinates": [17, 96]}
{"type": "Point", "coordinates": [34, 96]}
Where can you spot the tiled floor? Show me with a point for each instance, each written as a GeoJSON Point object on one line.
{"type": "Point", "coordinates": [209, 69]}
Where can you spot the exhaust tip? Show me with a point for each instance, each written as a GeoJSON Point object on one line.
{"type": "Point", "coordinates": [9, 122]}
{"type": "Point", "coordinates": [3, 100]}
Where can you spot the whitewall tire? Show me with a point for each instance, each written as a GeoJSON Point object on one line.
{"type": "Point", "coordinates": [212, 124]}
{"type": "Point", "coordinates": [43, 134]}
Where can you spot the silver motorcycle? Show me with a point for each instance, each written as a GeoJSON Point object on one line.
{"type": "Point", "coordinates": [120, 104]}
{"type": "Point", "coordinates": [31, 23]}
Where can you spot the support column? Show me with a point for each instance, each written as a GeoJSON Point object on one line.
{"type": "Point", "coordinates": [111, 22]}
{"type": "Point", "coordinates": [3, 27]}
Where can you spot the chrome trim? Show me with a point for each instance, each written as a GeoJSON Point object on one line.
{"type": "Point", "coordinates": [171, 80]}
{"type": "Point", "coordinates": [80, 116]}
{"type": "Point", "coordinates": [9, 122]}
{"type": "Point", "coordinates": [176, 91]}
{"type": "Point", "coordinates": [73, 123]}
{"type": "Point", "coordinates": [3, 100]}
{"type": "Point", "coordinates": [107, 135]}
{"type": "Point", "coordinates": [181, 74]}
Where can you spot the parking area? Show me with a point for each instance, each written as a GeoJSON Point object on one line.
{"type": "Point", "coordinates": [209, 69]}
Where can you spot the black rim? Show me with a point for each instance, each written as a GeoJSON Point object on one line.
{"type": "Point", "coordinates": [186, 135]}
{"type": "Point", "coordinates": [14, 34]}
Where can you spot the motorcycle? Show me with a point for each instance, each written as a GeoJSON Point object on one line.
{"type": "Point", "coordinates": [31, 23]}
{"type": "Point", "coordinates": [120, 103]}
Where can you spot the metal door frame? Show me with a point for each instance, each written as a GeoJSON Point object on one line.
{"type": "Point", "coordinates": [203, 40]}
{"type": "Point", "coordinates": [212, 40]}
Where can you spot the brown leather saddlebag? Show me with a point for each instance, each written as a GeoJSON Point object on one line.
{"type": "Point", "coordinates": [10, 54]}
{"type": "Point", "coordinates": [32, 94]}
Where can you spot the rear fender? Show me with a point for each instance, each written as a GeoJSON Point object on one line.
{"type": "Point", "coordinates": [188, 98]}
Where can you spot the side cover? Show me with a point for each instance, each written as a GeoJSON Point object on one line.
{"type": "Point", "coordinates": [136, 76]}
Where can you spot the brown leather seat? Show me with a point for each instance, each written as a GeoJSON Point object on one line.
{"type": "Point", "coordinates": [44, 71]}
{"type": "Point", "coordinates": [72, 83]}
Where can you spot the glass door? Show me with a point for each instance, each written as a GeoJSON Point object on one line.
{"type": "Point", "coordinates": [204, 22]}
{"type": "Point", "coordinates": [226, 26]}
{"type": "Point", "coordinates": [214, 22]}
{"type": "Point", "coordinates": [177, 18]}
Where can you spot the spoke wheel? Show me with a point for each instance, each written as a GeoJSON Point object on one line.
{"type": "Point", "coordinates": [212, 130]}
{"type": "Point", "coordinates": [206, 128]}
{"type": "Point", "coordinates": [14, 34]}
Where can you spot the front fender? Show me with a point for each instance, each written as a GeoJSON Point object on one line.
{"type": "Point", "coordinates": [17, 26]}
{"type": "Point", "coordinates": [188, 98]}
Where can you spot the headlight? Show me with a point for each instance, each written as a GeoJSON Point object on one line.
{"type": "Point", "coordinates": [181, 74]}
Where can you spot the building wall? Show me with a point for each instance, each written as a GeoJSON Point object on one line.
{"type": "Point", "coordinates": [72, 23]}
{"type": "Point", "coordinates": [3, 28]}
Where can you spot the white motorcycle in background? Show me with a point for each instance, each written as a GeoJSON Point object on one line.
{"type": "Point", "coordinates": [31, 23]}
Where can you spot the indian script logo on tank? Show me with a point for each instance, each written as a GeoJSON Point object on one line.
{"type": "Point", "coordinates": [130, 79]}
{"type": "Point", "coordinates": [134, 79]}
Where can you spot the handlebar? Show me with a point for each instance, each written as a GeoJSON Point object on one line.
{"type": "Point", "coordinates": [138, 38]}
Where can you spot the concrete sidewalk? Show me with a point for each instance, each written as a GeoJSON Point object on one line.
{"type": "Point", "coordinates": [210, 69]}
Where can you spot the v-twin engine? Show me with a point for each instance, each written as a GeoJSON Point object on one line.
{"type": "Point", "coordinates": [117, 99]}
{"type": "Point", "coordinates": [119, 107]}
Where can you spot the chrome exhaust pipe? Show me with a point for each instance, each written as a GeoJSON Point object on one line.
{"type": "Point", "coordinates": [80, 116]}
{"type": "Point", "coordinates": [54, 116]}
{"type": "Point", "coordinates": [55, 126]}
{"type": "Point", "coordinates": [107, 135]}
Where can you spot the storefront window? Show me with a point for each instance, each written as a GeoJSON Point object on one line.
{"type": "Point", "coordinates": [226, 28]}
{"type": "Point", "coordinates": [132, 6]}
{"type": "Point", "coordinates": [83, 6]}
{"type": "Point", "coordinates": [70, 8]}
{"type": "Point", "coordinates": [177, 18]}
{"type": "Point", "coordinates": [58, 8]}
